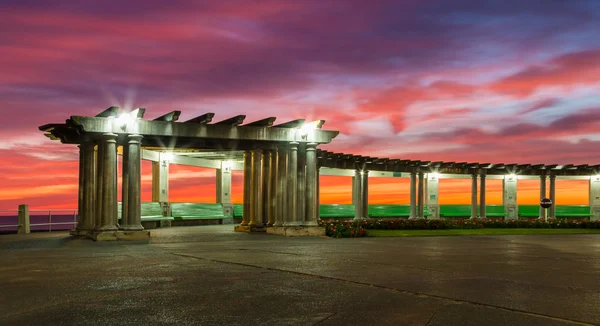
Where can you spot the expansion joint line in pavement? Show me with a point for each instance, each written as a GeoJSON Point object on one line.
{"type": "Point", "coordinates": [413, 293]}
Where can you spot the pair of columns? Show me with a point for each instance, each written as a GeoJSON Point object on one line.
{"type": "Point", "coordinates": [281, 186]}
{"type": "Point", "coordinates": [360, 194]}
{"type": "Point", "coordinates": [482, 201]}
{"type": "Point", "coordinates": [417, 190]}
{"type": "Point", "coordinates": [98, 206]}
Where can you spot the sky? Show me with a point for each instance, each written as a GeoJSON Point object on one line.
{"type": "Point", "coordinates": [479, 81]}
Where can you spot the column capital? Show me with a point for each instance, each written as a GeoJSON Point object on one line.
{"type": "Point", "coordinates": [294, 145]}
{"type": "Point", "coordinates": [311, 146]}
{"type": "Point", "coordinates": [482, 175]}
{"type": "Point", "coordinates": [133, 138]}
{"type": "Point", "coordinates": [542, 176]}
{"type": "Point", "coordinates": [109, 136]}
{"type": "Point", "coordinates": [413, 173]}
{"type": "Point", "coordinates": [552, 176]}
{"type": "Point", "coordinates": [257, 150]}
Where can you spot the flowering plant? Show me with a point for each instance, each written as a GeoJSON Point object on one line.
{"type": "Point", "coordinates": [343, 229]}
{"type": "Point", "coordinates": [340, 228]}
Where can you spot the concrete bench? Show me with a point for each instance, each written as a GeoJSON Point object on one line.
{"type": "Point", "coordinates": [336, 211]}
{"type": "Point", "coordinates": [495, 211]}
{"type": "Point", "coordinates": [573, 211]}
{"type": "Point", "coordinates": [197, 211]}
{"type": "Point", "coordinates": [238, 210]}
{"type": "Point", "coordinates": [389, 210]}
{"type": "Point", "coordinates": [455, 210]}
{"type": "Point", "coordinates": [152, 215]}
{"type": "Point", "coordinates": [529, 210]}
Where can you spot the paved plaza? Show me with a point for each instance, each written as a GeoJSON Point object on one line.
{"type": "Point", "coordinates": [209, 275]}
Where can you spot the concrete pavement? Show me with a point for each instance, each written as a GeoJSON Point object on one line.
{"type": "Point", "coordinates": [209, 275]}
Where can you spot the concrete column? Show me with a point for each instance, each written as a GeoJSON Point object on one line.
{"type": "Point", "coordinates": [224, 188]}
{"type": "Point", "coordinates": [474, 195]}
{"type": "Point", "coordinates": [318, 194]}
{"type": "Point", "coordinates": [273, 193]}
{"type": "Point", "coordinates": [482, 202]}
{"type": "Point", "coordinates": [108, 219]}
{"type": "Point", "coordinates": [301, 184]}
{"type": "Point", "coordinates": [509, 197]}
{"type": "Point", "coordinates": [312, 199]}
{"type": "Point", "coordinates": [358, 202]}
{"type": "Point", "coordinates": [132, 184]}
{"type": "Point", "coordinates": [595, 198]}
{"type": "Point", "coordinates": [248, 207]}
{"type": "Point", "coordinates": [257, 189]}
{"type": "Point", "coordinates": [99, 155]}
{"type": "Point", "coordinates": [23, 220]}
{"type": "Point", "coordinates": [292, 186]}
{"type": "Point", "coordinates": [354, 196]}
{"type": "Point", "coordinates": [433, 206]}
{"type": "Point", "coordinates": [552, 209]}
{"type": "Point", "coordinates": [87, 190]}
{"type": "Point", "coordinates": [160, 179]}
{"type": "Point", "coordinates": [266, 178]}
{"type": "Point", "coordinates": [80, 204]}
{"type": "Point", "coordinates": [413, 195]}
{"type": "Point", "coordinates": [421, 212]}
{"type": "Point", "coordinates": [364, 194]}
{"type": "Point", "coordinates": [282, 210]}
{"type": "Point", "coordinates": [542, 195]}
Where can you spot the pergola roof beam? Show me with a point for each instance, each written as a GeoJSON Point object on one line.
{"type": "Point", "coordinates": [169, 117]}
{"type": "Point", "coordinates": [233, 121]}
{"type": "Point", "coordinates": [112, 111]}
{"type": "Point", "coordinates": [267, 122]}
{"type": "Point", "coordinates": [202, 119]}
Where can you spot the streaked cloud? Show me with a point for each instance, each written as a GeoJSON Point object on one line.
{"type": "Point", "coordinates": [513, 81]}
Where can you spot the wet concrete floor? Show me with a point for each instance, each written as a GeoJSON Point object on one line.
{"type": "Point", "coordinates": [209, 275]}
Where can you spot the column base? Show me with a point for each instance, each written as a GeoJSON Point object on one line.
{"type": "Point", "coordinates": [249, 228]}
{"type": "Point", "coordinates": [106, 228]}
{"type": "Point", "coordinates": [292, 224]}
{"type": "Point", "coordinates": [131, 228]}
{"type": "Point", "coordinates": [120, 235]}
{"type": "Point", "coordinates": [310, 224]}
{"type": "Point", "coordinates": [297, 231]}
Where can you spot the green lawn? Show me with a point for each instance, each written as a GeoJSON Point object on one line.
{"type": "Point", "coordinates": [491, 231]}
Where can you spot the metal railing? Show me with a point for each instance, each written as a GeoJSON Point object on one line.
{"type": "Point", "coordinates": [35, 214]}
